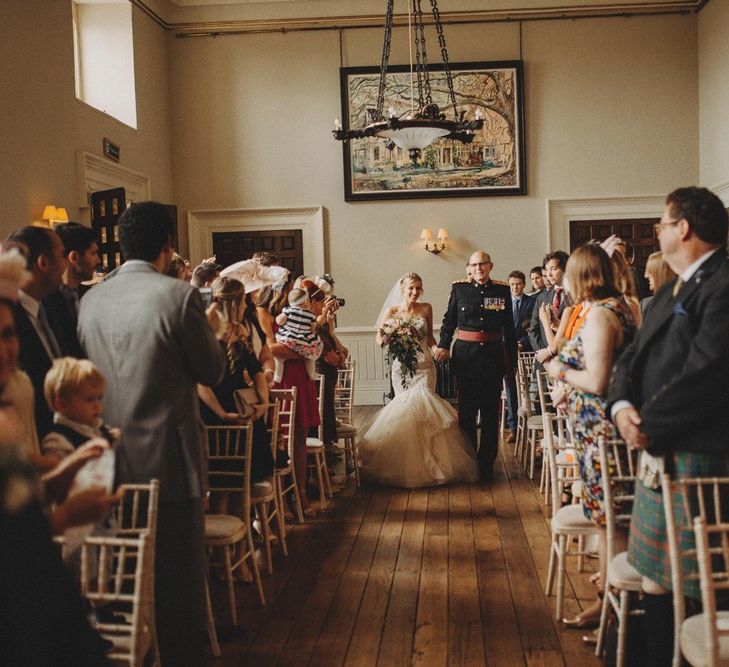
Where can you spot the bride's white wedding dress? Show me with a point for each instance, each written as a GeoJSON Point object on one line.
{"type": "Point", "coordinates": [415, 440]}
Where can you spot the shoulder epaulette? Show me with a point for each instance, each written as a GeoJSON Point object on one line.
{"type": "Point", "coordinates": [458, 282]}
{"type": "Point", "coordinates": [500, 282]}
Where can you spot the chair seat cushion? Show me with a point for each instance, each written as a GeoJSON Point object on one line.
{"type": "Point", "coordinates": [222, 526]}
{"type": "Point", "coordinates": [346, 430]}
{"type": "Point", "coordinates": [570, 519]}
{"type": "Point", "coordinates": [314, 442]}
{"type": "Point", "coordinates": [621, 574]}
{"type": "Point", "coordinates": [535, 422]}
{"type": "Point", "coordinates": [693, 639]}
{"type": "Point", "coordinates": [261, 489]}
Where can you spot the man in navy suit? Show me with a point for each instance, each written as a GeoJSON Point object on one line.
{"type": "Point", "coordinates": [521, 307]}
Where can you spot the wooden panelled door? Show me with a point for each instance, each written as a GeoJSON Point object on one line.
{"type": "Point", "coordinates": [231, 247]}
{"type": "Point", "coordinates": [106, 207]}
{"type": "Point", "coordinates": [638, 232]}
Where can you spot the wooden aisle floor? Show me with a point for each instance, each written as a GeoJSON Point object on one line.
{"type": "Point", "coordinates": [442, 576]}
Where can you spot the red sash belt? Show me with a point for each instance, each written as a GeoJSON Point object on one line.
{"type": "Point", "coordinates": [479, 336]}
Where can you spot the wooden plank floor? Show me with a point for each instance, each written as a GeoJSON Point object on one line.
{"type": "Point", "coordinates": [442, 576]}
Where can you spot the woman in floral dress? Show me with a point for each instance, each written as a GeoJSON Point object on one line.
{"type": "Point", "coordinates": [600, 326]}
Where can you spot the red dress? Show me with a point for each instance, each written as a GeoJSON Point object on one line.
{"type": "Point", "coordinates": [307, 403]}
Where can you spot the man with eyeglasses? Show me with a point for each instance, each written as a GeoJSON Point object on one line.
{"type": "Point", "coordinates": [668, 393]}
{"type": "Point", "coordinates": [485, 349]}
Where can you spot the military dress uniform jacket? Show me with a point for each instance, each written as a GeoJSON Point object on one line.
{"type": "Point", "coordinates": [483, 308]}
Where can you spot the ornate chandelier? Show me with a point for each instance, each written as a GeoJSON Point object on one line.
{"type": "Point", "coordinates": [425, 122]}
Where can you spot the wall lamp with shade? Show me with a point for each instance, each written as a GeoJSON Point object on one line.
{"type": "Point", "coordinates": [441, 237]}
{"type": "Point", "coordinates": [53, 214]}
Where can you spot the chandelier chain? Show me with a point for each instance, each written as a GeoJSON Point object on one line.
{"type": "Point", "coordinates": [444, 54]}
{"type": "Point", "coordinates": [385, 60]}
{"type": "Point", "coordinates": [425, 96]}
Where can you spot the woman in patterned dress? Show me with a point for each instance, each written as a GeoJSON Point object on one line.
{"type": "Point", "coordinates": [600, 326]}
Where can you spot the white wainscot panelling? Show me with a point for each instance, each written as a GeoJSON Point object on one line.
{"type": "Point", "coordinates": [373, 378]}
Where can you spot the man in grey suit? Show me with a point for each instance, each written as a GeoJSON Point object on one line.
{"type": "Point", "coordinates": [150, 337]}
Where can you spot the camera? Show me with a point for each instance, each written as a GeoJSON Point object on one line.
{"type": "Point", "coordinates": [340, 301]}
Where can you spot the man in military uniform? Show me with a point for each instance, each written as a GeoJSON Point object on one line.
{"type": "Point", "coordinates": [484, 351]}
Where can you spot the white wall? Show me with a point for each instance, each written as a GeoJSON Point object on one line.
{"type": "Point", "coordinates": [252, 118]}
{"type": "Point", "coordinates": [713, 36]}
{"type": "Point", "coordinates": [42, 123]}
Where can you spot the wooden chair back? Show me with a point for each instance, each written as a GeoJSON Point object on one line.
{"type": "Point", "coordinates": [286, 399]}
{"type": "Point", "coordinates": [344, 395]}
{"type": "Point", "coordinates": [712, 552]}
{"type": "Point", "coordinates": [619, 469]}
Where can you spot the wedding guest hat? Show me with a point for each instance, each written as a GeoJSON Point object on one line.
{"type": "Point", "coordinates": [254, 276]}
{"type": "Point", "coordinates": [13, 272]}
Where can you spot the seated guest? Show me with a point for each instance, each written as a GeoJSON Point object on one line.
{"type": "Point", "coordinates": [152, 339]}
{"type": "Point", "coordinates": [205, 273]}
{"type": "Point", "coordinates": [179, 268]}
{"type": "Point", "coordinates": [537, 281]}
{"type": "Point", "coordinates": [657, 273]}
{"type": "Point", "coordinates": [602, 326]}
{"type": "Point", "coordinates": [668, 393]}
{"type": "Point", "coordinates": [521, 307]}
{"type": "Point", "coordinates": [218, 403]}
{"type": "Point", "coordinates": [81, 249]}
{"type": "Point", "coordinates": [39, 344]}
{"type": "Point", "coordinates": [74, 388]}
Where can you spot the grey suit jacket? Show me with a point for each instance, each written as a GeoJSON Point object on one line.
{"type": "Point", "coordinates": [149, 336]}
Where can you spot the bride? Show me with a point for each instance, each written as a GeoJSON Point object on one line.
{"type": "Point", "coordinates": [415, 440]}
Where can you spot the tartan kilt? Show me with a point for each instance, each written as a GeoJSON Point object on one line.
{"type": "Point", "coordinates": [648, 550]}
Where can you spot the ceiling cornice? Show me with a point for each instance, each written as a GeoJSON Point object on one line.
{"type": "Point", "coordinates": [570, 12]}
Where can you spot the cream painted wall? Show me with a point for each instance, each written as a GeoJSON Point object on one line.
{"type": "Point", "coordinates": [42, 124]}
{"type": "Point", "coordinates": [251, 117]}
{"type": "Point", "coordinates": [713, 29]}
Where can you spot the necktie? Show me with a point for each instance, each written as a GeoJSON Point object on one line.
{"type": "Point", "coordinates": [516, 310]}
{"type": "Point", "coordinates": [677, 287]}
{"type": "Point", "coordinates": [557, 299]}
{"type": "Point", "coordinates": [48, 333]}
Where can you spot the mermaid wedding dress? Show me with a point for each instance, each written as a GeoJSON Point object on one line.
{"type": "Point", "coordinates": [415, 440]}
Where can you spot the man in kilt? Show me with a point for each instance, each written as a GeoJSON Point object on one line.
{"type": "Point", "coordinates": [668, 392]}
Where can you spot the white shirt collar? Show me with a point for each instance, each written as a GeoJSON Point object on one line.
{"type": "Point", "coordinates": [30, 305]}
{"type": "Point", "coordinates": [691, 268]}
{"type": "Point", "coordinates": [83, 429]}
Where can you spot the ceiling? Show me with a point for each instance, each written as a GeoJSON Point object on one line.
{"type": "Point", "coordinates": [213, 17]}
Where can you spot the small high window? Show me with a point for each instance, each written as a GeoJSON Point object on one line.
{"type": "Point", "coordinates": [103, 49]}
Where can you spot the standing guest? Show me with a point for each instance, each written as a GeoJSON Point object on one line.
{"type": "Point", "coordinates": [625, 282]}
{"type": "Point", "coordinates": [553, 303]}
{"type": "Point", "coordinates": [39, 344]}
{"type": "Point", "coordinates": [593, 341]}
{"type": "Point", "coordinates": [485, 350]}
{"type": "Point", "coordinates": [81, 249]}
{"type": "Point", "coordinates": [521, 307]}
{"type": "Point", "coordinates": [657, 273]}
{"type": "Point", "coordinates": [537, 281]}
{"type": "Point", "coordinates": [150, 337]}
{"type": "Point", "coordinates": [266, 258]}
{"type": "Point", "coordinates": [680, 353]}
{"type": "Point", "coordinates": [205, 273]}
{"type": "Point", "coordinates": [218, 406]}
{"type": "Point", "coordinates": [270, 303]}
{"type": "Point", "coordinates": [179, 268]}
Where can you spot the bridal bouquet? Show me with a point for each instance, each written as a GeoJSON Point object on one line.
{"type": "Point", "coordinates": [403, 343]}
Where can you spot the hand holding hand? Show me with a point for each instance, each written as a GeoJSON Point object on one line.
{"type": "Point", "coordinates": [628, 422]}
{"type": "Point", "coordinates": [441, 354]}
{"type": "Point", "coordinates": [553, 368]}
{"type": "Point", "coordinates": [543, 355]}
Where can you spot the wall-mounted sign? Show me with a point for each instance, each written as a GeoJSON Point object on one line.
{"type": "Point", "coordinates": [111, 150]}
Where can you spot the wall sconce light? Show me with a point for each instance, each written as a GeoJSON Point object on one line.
{"type": "Point", "coordinates": [54, 214]}
{"type": "Point", "coordinates": [427, 236]}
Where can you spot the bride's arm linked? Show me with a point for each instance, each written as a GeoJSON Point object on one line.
{"type": "Point", "coordinates": [428, 315]}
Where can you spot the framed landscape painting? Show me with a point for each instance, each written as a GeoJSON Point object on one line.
{"type": "Point", "coordinates": [493, 164]}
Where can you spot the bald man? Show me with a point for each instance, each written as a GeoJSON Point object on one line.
{"type": "Point", "coordinates": [480, 308]}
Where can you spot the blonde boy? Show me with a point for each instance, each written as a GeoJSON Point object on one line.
{"type": "Point", "coordinates": [74, 390]}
